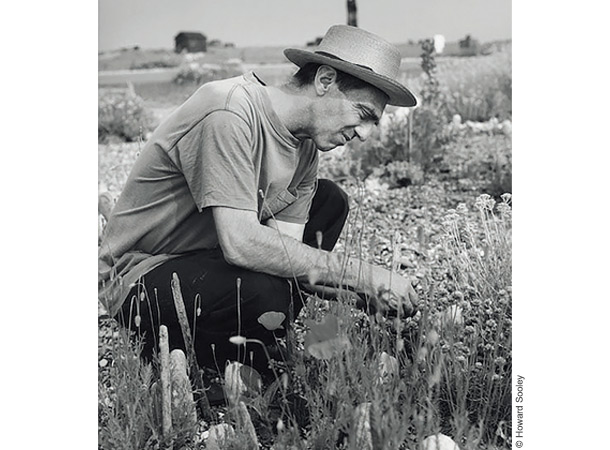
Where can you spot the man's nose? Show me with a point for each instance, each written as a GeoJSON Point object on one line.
{"type": "Point", "coordinates": [363, 131]}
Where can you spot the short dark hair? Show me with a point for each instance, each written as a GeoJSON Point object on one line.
{"type": "Point", "coordinates": [345, 82]}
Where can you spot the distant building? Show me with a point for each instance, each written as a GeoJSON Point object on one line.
{"type": "Point", "coordinates": [439, 43]}
{"type": "Point", "coordinates": [190, 42]}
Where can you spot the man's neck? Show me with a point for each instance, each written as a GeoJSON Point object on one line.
{"type": "Point", "coordinates": [292, 108]}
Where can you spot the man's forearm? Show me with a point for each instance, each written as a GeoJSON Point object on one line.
{"type": "Point", "coordinates": [247, 243]}
{"type": "Point", "coordinates": [264, 249]}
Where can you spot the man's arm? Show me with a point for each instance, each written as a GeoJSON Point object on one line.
{"type": "Point", "coordinates": [294, 230]}
{"type": "Point", "coordinates": [246, 243]}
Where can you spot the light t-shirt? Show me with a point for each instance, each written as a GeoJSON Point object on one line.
{"type": "Point", "coordinates": [225, 146]}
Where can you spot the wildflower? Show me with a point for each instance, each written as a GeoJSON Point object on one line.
{"type": "Point", "coordinates": [499, 361]}
{"type": "Point", "coordinates": [458, 295]}
{"type": "Point", "coordinates": [400, 345]}
{"type": "Point", "coordinates": [432, 337]}
{"type": "Point", "coordinates": [422, 354]}
{"type": "Point", "coordinates": [491, 323]}
{"type": "Point", "coordinates": [272, 320]}
{"type": "Point", "coordinates": [452, 316]}
{"type": "Point", "coordinates": [237, 340]}
{"type": "Point", "coordinates": [435, 377]}
{"type": "Point", "coordinates": [439, 442]}
{"type": "Point", "coordinates": [484, 201]}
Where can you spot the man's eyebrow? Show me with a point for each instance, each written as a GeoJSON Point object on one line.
{"type": "Point", "coordinates": [368, 112]}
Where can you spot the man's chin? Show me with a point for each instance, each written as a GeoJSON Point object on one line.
{"type": "Point", "coordinates": [326, 147]}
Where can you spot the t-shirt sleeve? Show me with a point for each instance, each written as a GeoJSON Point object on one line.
{"type": "Point", "coordinates": [216, 158]}
{"type": "Point", "coordinates": [298, 211]}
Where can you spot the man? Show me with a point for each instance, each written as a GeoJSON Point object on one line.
{"type": "Point", "coordinates": [225, 195]}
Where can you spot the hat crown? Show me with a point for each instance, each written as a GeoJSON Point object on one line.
{"type": "Point", "coordinates": [360, 47]}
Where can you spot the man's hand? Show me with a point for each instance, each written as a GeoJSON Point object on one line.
{"type": "Point", "coordinates": [392, 291]}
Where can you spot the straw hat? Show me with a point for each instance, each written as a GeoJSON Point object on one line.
{"type": "Point", "coordinates": [361, 54]}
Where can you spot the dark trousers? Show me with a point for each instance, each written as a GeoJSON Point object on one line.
{"type": "Point", "coordinates": [209, 287]}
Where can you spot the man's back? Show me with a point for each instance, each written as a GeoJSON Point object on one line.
{"type": "Point", "coordinates": [220, 148]}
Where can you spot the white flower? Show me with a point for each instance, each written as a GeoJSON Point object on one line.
{"type": "Point", "coordinates": [439, 442]}
{"type": "Point", "coordinates": [237, 340]}
{"type": "Point", "coordinates": [452, 315]}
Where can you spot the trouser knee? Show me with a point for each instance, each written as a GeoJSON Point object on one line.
{"type": "Point", "coordinates": [328, 213]}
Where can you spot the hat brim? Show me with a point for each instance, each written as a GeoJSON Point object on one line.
{"type": "Point", "coordinates": [398, 94]}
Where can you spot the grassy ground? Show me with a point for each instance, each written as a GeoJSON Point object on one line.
{"type": "Point", "coordinates": [455, 355]}
{"type": "Point", "coordinates": [387, 382]}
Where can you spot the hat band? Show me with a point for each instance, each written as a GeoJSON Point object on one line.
{"type": "Point", "coordinates": [330, 55]}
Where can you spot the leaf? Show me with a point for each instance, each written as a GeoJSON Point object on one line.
{"type": "Point", "coordinates": [252, 380]}
{"type": "Point", "coordinates": [272, 320]}
{"type": "Point", "coordinates": [362, 437]}
{"type": "Point", "coordinates": [322, 341]}
{"type": "Point", "coordinates": [388, 367]}
{"type": "Point", "coordinates": [241, 381]}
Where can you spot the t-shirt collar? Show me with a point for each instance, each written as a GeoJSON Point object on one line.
{"type": "Point", "coordinates": [270, 113]}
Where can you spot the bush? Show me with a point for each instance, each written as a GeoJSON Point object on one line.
{"type": "Point", "coordinates": [478, 258]}
{"type": "Point", "coordinates": [400, 174]}
{"type": "Point", "coordinates": [122, 114]}
{"type": "Point", "coordinates": [484, 157]}
{"type": "Point", "coordinates": [198, 72]}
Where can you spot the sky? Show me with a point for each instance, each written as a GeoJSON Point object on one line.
{"type": "Point", "coordinates": [154, 23]}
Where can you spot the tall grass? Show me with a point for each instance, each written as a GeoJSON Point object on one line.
{"type": "Point", "coordinates": [128, 400]}
{"type": "Point", "coordinates": [453, 360]}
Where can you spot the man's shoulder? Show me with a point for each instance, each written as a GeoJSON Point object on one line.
{"type": "Point", "coordinates": [226, 94]}
{"type": "Point", "coordinates": [230, 92]}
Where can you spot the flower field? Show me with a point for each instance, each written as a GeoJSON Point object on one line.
{"type": "Point", "coordinates": [441, 215]}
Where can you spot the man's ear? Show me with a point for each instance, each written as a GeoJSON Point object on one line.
{"type": "Point", "coordinates": [325, 78]}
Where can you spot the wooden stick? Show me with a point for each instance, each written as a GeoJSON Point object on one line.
{"type": "Point", "coordinates": [246, 426]}
{"type": "Point", "coordinates": [183, 405]}
{"type": "Point", "coordinates": [181, 312]}
{"type": "Point", "coordinates": [166, 396]}
{"type": "Point", "coordinates": [197, 377]}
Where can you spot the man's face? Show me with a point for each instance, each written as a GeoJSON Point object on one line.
{"type": "Point", "coordinates": [342, 116]}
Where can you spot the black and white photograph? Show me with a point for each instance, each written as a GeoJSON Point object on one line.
{"type": "Point", "coordinates": [305, 226]}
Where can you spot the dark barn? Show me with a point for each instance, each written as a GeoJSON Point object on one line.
{"type": "Point", "coordinates": [190, 42]}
